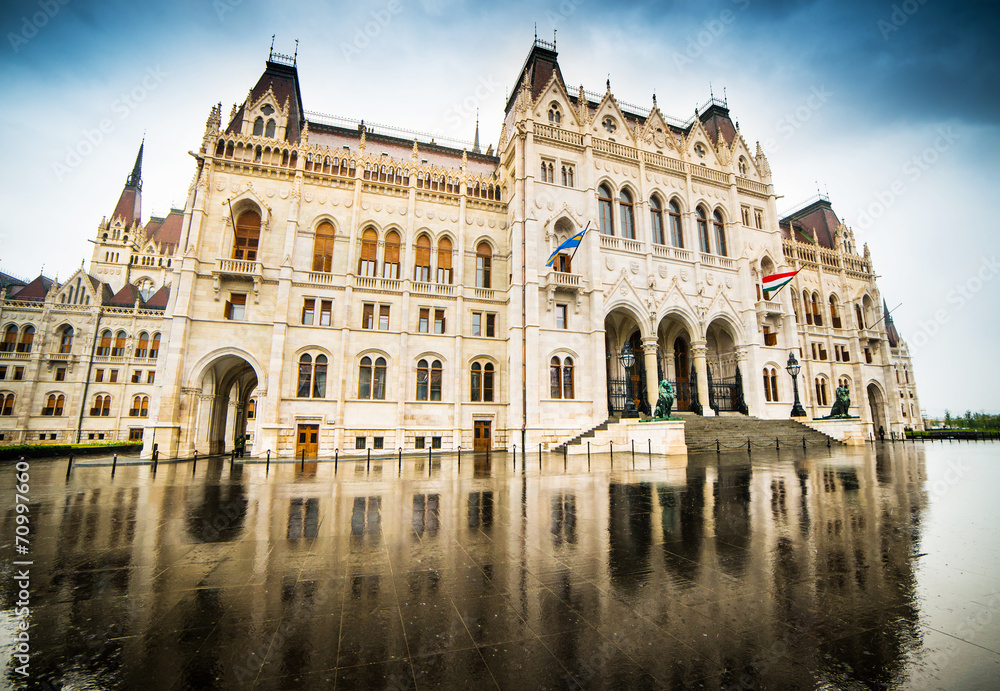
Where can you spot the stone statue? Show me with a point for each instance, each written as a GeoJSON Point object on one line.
{"type": "Point", "coordinates": [841, 407]}
{"type": "Point", "coordinates": [665, 401]}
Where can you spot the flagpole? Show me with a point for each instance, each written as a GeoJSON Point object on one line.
{"type": "Point", "coordinates": [585, 230]}
{"type": "Point", "coordinates": [885, 315]}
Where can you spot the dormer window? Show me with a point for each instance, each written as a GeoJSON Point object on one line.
{"type": "Point", "coordinates": [269, 128]}
{"type": "Point", "coordinates": [267, 109]}
{"type": "Point", "coordinates": [609, 124]}
{"type": "Point", "coordinates": [258, 126]}
{"type": "Point", "coordinates": [554, 115]}
{"type": "Point", "coordinates": [743, 166]}
{"type": "Point", "coordinates": [700, 150]}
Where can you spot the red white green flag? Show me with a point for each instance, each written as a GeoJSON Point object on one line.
{"type": "Point", "coordinates": [775, 282]}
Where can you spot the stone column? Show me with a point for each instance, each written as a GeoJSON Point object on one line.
{"type": "Point", "coordinates": [699, 354]}
{"type": "Point", "coordinates": [649, 345]}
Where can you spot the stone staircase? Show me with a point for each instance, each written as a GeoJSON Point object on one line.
{"type": "Point", "coordinates": [589, 434]}
{"type": "Point", "coordinates": [732, 432]}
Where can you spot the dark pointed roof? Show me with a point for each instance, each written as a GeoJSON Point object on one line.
{"type": "Point", "coordinates": [283, 80]}
{"type": "Point", "coordinates": [890, 329]}
{"type": "Point", "coordinates": [36, 290]}
{"type": "Point", "coordinates": [537, 70]}
{"type": "Point", "coordinates": [717, 122]}
{"type": "Point", "coordinates": [124, 297]}
{"type": "Point", "coordinates": [816, 221]}
{"type": "Point", "coordinates": [9, 285]}
{"type": "Point", "coordinates": [129, 207]}
{"type": "Point", "coordinates": [159, 299]}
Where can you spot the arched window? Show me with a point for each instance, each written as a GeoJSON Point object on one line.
{"type": "Point", "coordinates": [390, 258]}
{"type": "Point", "coordinates": [368, 264]}
{"type": "Point", "coordinates": [604, 210]}
{"type": "Point", "coordinates": [834, 313]}
{"type": "Point", "coordinates": [444, 261]}
{"type": "Point", "coordinates": [305, 377]}
{"type": "Point", "coordinates": [323, 248]}
{"type": "Point", "coordinates": [54, 405]}
{"type": "Point", "coordinates": [140, 406]}
{"type": "Point", "coordinates": [371, 379]}
{"type": "Point", "coordinates": [247, 236]}
{"type": "Point", "coordinates": [252, 409]}
{"type": "Point", "coordinates": [422, 262]}
{"type": "Point", "coordinates": [27, 338]}
{"type": "Point", "coordinates": [154, 346]}
{"type": "Point", "coordinates": [656, 220]}
{"type": "Point", "coordinates": [821, 399]}
{"type": "Point", "coordinates": [857, 315]}
{"type": "Point", "coordinates": [770, 384]}
{"type": "Point", "coordinates": [484, 261]}
{"type": "Point", "coordinates": [627, 215]}
{"type": "Point", "coordinates": [561, 378]}
{"type": "Point", "coordinates": [269, 128]}
{"type": "Point", "coordinates": [429, 381]}
{"type": "Point", "coordinates": [119, 347]}
{"type": "Point", "coordinates": [720, 233]}
{"type": "Point", "coordinates": [102, 406]}
{"type": "Point", "coordinates": [66, 340]}
{"type": "Point", "coordinates": [743, 166]}
{"type": "Point", "coordinates": [9, 339]}
{"type": "Point", "coordinates": [703, 238]}
{"type": "Point", "coordinates": [807, 307]}
{"type": "Point", "coordinates": [845, 383]}
{"type": "Point", "coordinates": [482, 382]}
{"type": "Point", "coordinates": [554, 115]}
{"type": "Point", "coordinates": [142, 348]}
{"type": "Point", "coordinates": [104, 347]}
{"type": "Point", "coordinates": [258, 126]}
{"type": "Point", "coordinates": [817, 313]}
{"type": "Point", "coordinates": [7, 404]}
{"type": "Point", "coordinates": [319, 377]}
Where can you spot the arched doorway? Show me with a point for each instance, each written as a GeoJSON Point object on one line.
{"type": "Point", "coordinates": [626, 385]}
{"type": "Point", "coordinates": [674, 362]}
{"type": "Point", "coordinates": [725, 381]}
{"type": "Point", "coordinates": [227, 385]}
{"type": "Point", "coordinates": [876, 403]}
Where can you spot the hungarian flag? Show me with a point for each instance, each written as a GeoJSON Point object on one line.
{"type": "Point", "coordinates": [775, 282]}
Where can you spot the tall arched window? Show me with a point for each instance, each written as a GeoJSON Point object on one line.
{"type": "Point", "coordinates": [604, 210]}
{"type": "Point", "coordinates": [422, 261]}
{"type": "Point", "coordinates": [656, 220]}
{"type": "Point", "coordinates": [390, 258]}
{"type": "Point", "coordinates": [305, 377]}
{"type": "Point", "coordinates": [154, 346]}
{"type": "Point", "coordinates": [676, 236]}
{"type": "Point", "coordinates": [817, 312]}
{"type": "Point", "coordinates": [119, 347]}
{"type": "Point", "coordinates": [66, 340]}
{"type": "Point", "coordinates": [371, 379]}
{"type": "Point", "coordinates": [140, 406]}
{"type": "Point", "coordinates": [703, 239]}
{"type": "Point", "coordinates": [770, 384]}
{"type": "Point", "coordinates": [323, 248]}
{"type": "Point", "coordinates": [423, 379]}
{"type": "Point", "coordinates": [319, 377]}
{"type": "Point", "coordinates": [835, 313]}
{"type": "Point", "coordinates": [365, 378]}
{"type": "Point", "coordinates": [7, 404]}
{"type": "Point", "coordinates": [807, 307]}
{"type": "Point", "coordinates": [720, 233]}
{"type": "Point", "coordinates": [482, 382]}
{"type": "Point", "coordinates": [27, 339]}
{"type": "Point", "coordinates": [142, 347]}
{"type": "Point", "coordinates": [247, 236]}
{"type": "Point", "coordinates": [368, 264]}
{"type": "Point", "coordinates": [54, 405]}
{"type": "Point", "coordinates": [858, 316]}
{"type": "Point", "coordinates": [627, 215]}
{"type": "Point", "coordinates": [429, 381]}
{"type": "Point", "coordinates": [9, 339]}
{"type": "Point", "coordinates": [484, 261]}
{"type": "Point", "coordinates": [102, 406]}
{"type": "Point", "coordinates": [104, 347]}
{"type": "Point", "coordinates": [444, 261]}
{"type": "Point", "coordinates": [476, 382]}
{"type": "Point", "coordinates": [270, 128]}
{"type": "Point", "coordinates": [561, 378]}
{"type": "Point", "coordinates": [258, 126]}
{"type": "Point", "coordinates": [821, 391]}
{"type": "Point", "coordinates": [554, 115]}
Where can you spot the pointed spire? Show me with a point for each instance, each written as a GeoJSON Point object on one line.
{"type": "Point", "coordinates": [475, 142]}
{"type": "Point", "coordinates": [134, 181]}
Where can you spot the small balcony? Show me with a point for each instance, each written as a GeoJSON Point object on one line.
{"type": "Point", "coordinates": [560, 280]}
{"type": "Point", "coordinates": [238, 268]}
{"type": "Point", "coordinates": [770, 307]}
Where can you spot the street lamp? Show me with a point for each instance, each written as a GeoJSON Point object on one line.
{"type": "Point", "coordinates": [627, 358]}
{"type": "Point", "coordinates": [793, 368]}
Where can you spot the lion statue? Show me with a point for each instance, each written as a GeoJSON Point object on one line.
{"type": "Point", "coordinates": [843, 403]}
{"type": "Point", "coordinates": [665, 401]}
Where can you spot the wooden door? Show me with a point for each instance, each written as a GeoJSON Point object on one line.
{"type": "Point", "coordinates": [307, 440]}
{"type": "Point", "coordinates": [481, 429]}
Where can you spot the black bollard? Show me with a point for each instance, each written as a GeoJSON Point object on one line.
{"type": "Point", "coordinates": [803, 442]}
{"type": "Point", "coordinates": [717, 447]}
{"type": "Point", "coordinates": [611, 449]}
{"type": "Point", "coordinates": [588, 456]}
{"type": "Point", "coordinates": [650, 454]}
{"type": "Point", "coordinates": [515, 456]}
{"type": "Point", "coordinates": [302, 466]}
{"type": "Point", "coordinates": [194, 465]}
{"type": "Point", "coordinates": [400, 468]}
{"type": "Point", "coordinates": [748, 444]}
{"type": "Point", "coordinates": [565, 452]}
{"type": "Point", "coordinates": [777, 444]}
{"type": "Point", "coordinates": [460, 459]}
{"type": "Point", "coordinates": [633, 454]}
{"type": "Point", "coordinates": [114, 464]}
{"type": "Point", "coordinates": [368, 469]}
{"type": "Point", "coordinates": [828, 442]}
{"type": "Point", "coordinates": [69, 467]}
{"type": "Point", "coordinates": [539, 458]}
{"type": "Point", "coordinates": [267, 467]}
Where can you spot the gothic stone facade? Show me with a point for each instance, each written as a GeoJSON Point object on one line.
{"type": "Point", "coordinates": [330, 287]}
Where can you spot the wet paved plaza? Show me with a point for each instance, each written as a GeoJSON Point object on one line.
{"type": "Point", "coordinates": [842, 569]}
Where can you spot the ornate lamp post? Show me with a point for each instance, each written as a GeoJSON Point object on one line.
{"type": "Point", "coordinates": [627, 358]}
{"type": "Point", "coordinates": [793, 368]}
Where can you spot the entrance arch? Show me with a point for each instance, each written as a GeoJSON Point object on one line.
{"type": "Point", "coordinates": [876, 404]}
{"type": "Point", "coordinates": [675, 363]}
{"type": "Point", "coordinates": [725, 381]}
{"type": "Point", "coordinates": [227, 384]}
{"type": "Point", "coordinates": [627, 389]}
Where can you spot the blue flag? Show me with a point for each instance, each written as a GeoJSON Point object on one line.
{"type": "Point", "coordinates": [568, 244]}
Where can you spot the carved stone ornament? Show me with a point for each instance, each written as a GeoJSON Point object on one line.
{"type": "Point", "coordinates": [610, 263]}
{"type": "Point", "coordinates": [684, 275]}
{"type": "Point", "coordinates": [710, 279]}
{"type": "Point", "coordinates": [634, 267]}
{"type": "Point", "coordinates": [663, 271]}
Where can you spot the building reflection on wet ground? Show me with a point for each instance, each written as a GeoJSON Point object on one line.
{"type": "Point", "coordinates": [848, 568]}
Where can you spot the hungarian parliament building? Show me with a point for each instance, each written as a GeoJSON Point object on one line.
{"type": "Point", "coordinates": [331, 286]}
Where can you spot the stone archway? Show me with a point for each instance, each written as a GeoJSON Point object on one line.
{"type": "Point", "coordinates": [876, 404]}
{"type": "Point", "coordinates": [627, 389]}
{"type": "Point", "coordinates": [675, 363]}
{"type": "Point", "coordinates": [226, 386]}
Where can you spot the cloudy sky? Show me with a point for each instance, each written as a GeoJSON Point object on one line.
{"type": "Point", "coordinates": [890, 107]}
